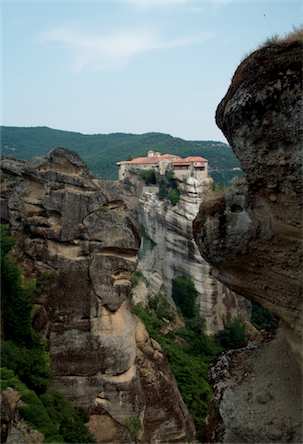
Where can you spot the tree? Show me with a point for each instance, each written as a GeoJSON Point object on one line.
{"type": "Point", "coordinates": [148, 176]}
{"type": "Point", "coordinates": [233, 334]}
{"type": "Point", "coordinates": [162, 190]}
{"type": "Point", "coordinates": [260, 318]}
{"type": "Point", "coordinates": [184, 294]}
{"type": "Point", "coordinates": [129, 157]}
{"type": "Point", "coordinates": [174, 196]}
{"type": "Point", "coordinates": [17, 294]}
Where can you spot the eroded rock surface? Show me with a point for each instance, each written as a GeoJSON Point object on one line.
{"type": "Point", "coordinates": [76, 233]}
{"type": "Point", "coordinates": [252, 235]}
{"type": "Point", "coordinates": [173, 253]}
{"type": "Point", "coordinates": [257, 390]}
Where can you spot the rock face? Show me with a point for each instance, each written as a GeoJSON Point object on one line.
{"type": "Point", "coordinates": [74, 227]}
{"type": "Point", "coordinates": [257, 390]}
{"type": "Point", "coordinates": [173, 252]}
{"type": "Point", "coordinates": [252, 235]}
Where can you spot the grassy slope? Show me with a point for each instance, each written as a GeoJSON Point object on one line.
{"type": "Point", "coordinates": [101, 152]}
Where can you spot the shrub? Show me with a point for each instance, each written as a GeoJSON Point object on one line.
{"type": "Point", "coordinates": [34, 411]}
{"type": "Point", "coordinates": [133, 424]}
{"type": "Point", "coordinates": [31, 364]}
{"type": "Point", "coordinates": [74, 429]}
{"type": "Point", "coordinates": [233, 334]}
{"type": "Point", "coordinates": [174, 196]}
{"type": "Point", "coordinates": [162, 190]}
{"type": "Point", "coordinates": [57, 406]}
{"type": "Point", "coordinates": [260, 318]}
{"type": "Point", "coordinates": [52, 414]}
{"type": "Point", "coordinates": [17, 294]}
{"type": "Point", "coordinates": [148, 176]}
{"type": "Point", "coordinates": [138, 276]}
{"type": "Point", "coordinates": [164, 309]}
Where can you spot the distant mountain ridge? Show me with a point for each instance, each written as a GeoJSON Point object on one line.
{"type": "Point", "coordinates": [102, 151]}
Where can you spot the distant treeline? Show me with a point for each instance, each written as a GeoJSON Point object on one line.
{"type": "Point", "coordinates": [102, 151]}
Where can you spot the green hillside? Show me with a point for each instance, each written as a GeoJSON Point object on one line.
{"type": "Point", "coordinates": [102, 151]}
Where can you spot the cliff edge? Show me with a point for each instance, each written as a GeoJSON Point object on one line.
{"type": "Point", "coordinates": [252, 234]}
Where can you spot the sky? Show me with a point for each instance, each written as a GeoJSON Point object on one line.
{"type": "Point", "coordinates": [101, 67]}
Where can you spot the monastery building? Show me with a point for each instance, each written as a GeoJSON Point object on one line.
{"type": "Point", "coordinates": [192, 166]}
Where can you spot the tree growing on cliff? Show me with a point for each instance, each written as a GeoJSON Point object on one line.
{"type": "Point", "coordinates": [174, 196]}
{"type": "Point", "coordinates": [233, 334]}
{"type": "Point", "coordinates": [148, 176]}
{"type": "Point", "coordinates": [22, 350]}
{"type": "Point", "coordinates": [17, 294]}
{"type": "Point", "coordinates": [184, 294]}
{"type": "Point", "coordinates": [162, 190]}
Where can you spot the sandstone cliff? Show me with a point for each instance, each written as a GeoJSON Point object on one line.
{"type": "Point", "coordinates": [69, 223]}
{"type": "Point", "coordinates": [252, 235]}
{"type": "Point", "coordinates": [174, 253]}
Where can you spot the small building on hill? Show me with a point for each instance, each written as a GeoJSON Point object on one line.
{"type": "Point", "coordinates": [192, 166]}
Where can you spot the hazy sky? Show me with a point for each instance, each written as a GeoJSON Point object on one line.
{"type": "Point", "coordinates": [129, 66]}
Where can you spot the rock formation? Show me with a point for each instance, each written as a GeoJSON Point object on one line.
{"type": "Point", "coordinates": [173, 252]}
{"type": "Point", "coordinates": [74, 226]}
{"type": "Point", "coordinates": [257, 393]}
{"type": "Point", "coordinates": [252, 235]}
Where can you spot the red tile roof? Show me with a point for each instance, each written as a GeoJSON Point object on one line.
{"type": "Point", "coordinates": [167, 155]}
{"type": "Point", "coordinates": [144, 160]}
{"type": "Point", "coordinates": [192, 159]}
{"type": "Point", "coordinates": [155, 160]}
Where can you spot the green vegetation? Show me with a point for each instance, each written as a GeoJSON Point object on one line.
{"type": "Point", "coordinates": [51, 413]}
{"type": "Point", "coordinates": [138, 276]}
{"type": "Point", "coordinates": [233, 334]}
{"type": "Point", "coordinates": [101, 152]}
{"type": "Point", "coordinates": [184, 294]}
{"type": "Point", "coordinates": [30, 363]}
{"type": "Point", "coordinates": [24, 360]}
{"type": "Point", "coordinates": [22, 350]}
{"type": "Point", "coordinates": [189, 363]}
{"type": "Point", "coordinates": [133, 424]}
{"type": "Point", "coordinates": [17, 294]}
{"type": "Point", "coordinates": [162, 308]}
{"type": "Point", "coordinates": [174, 196]}
{"type": "Point", "coordinates": [260, 318]}
{"type": "Point", "coordinates": [226, 177]}
{"type": "Point", "coordinates": [162, 190]}
{"type": "Point", "coordinates": [148, 176]}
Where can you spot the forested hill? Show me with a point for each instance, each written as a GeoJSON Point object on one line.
{"type": "Point", "coordinates": [102, 151]}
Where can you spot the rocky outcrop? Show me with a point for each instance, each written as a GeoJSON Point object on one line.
{"type": "Point", "coordinates": [78, 236]}
{"type": "Point", "coordinates": [171, 251]}
{"type": "Point", "coordinates": [252, 235]}
{"type": "Point", "coordinates": [257, 393]}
